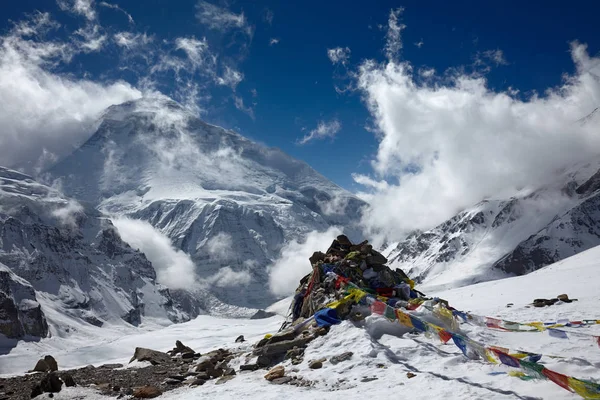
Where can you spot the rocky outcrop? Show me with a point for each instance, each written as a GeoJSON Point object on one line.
{"type": "Point", "coordinates": [20, 313]}
{"type": "Point", "coordinates": [56, 253]}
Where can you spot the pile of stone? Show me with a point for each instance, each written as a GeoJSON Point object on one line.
{"type": "Point", "coordinates": [359, 264]}
{"type": "Point", "coordinates": [561, 298]}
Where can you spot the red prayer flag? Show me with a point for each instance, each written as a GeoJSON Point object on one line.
{"type": "Point", "coordinates": [598, 340]}
{"type": "Point", "coordinates": [378, 307]}
{"type": "Point", "coordinates": [445, 336]}
{"type": "Point", "coordinates": [560, 379]}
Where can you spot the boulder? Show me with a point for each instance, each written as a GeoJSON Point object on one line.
{"type": "Point", "coordinates": [146, 392]}
{"type": "Point", "coordinates": [249, 367]}
{"type": "Point", "coordinates": [410, 375]}
{"type": "Point", "coordinates": [51, 383]}
{"type": "Point", "coordinates": [262, 314]}
{"type": "Point", "coordinates": [68, 380]}
{"type": "Point", "coordinates": [280, 348]}
{"type": "Point", "coordinates": [198, 382]}
{"type": "Point", "coordinates": [52, 364]}
{"type": "Point", "coordinates": [41, 366]}
{"type": "Point", "coordinates": [316, 364]}
{"type": "Point", "coordinates": [240, 339]}
{"type": "Point", "coordinates": [274, 373]}
{"type": "Point", "coordinates": [341, 357]}
{"type": "Point", "coordinates": [180, 348]}
{"type": "Point", "coordinates": [282, 380]}
{"type": "Point", "coordinates": [153, 356]}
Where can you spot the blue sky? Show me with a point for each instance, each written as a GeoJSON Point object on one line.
{"type": "Point", "coordinates": [289, 86]}
{"type": "Point", "coordinates": [422, 110]}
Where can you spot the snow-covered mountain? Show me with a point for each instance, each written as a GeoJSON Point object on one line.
{"type": "Point", "coordinates": [514, 236]}
{"type": "Point", "coordinates": [71, 260]}
{"type": "Point", "coordinates": [228, 202]}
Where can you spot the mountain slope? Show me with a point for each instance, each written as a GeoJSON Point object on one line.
{"type": "Point", "coordinates": [501, 237]}
{"type": "Point", "coordinates": [383, 351]}
{"type": "Point", "coordinates": [71, 260]}
{"type": "Point", "coordinates": [226, 201]}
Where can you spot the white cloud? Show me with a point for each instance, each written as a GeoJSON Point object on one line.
{"type": "Point", "coordinates": [227, 277]}
{"type": "Point", "coordinates": [293, 262]}
{"type": "Point", "coordinates": [131, 40]}
{"type": "Point", "coordinates": [324, 129]}
{"type": "Point", "coordinates": [273, 41]}
{"type": "Point", "coordinates": [268, 16]}
{"type": "Point", "coordinates": [81, 7]}
{"type": "Point", "coordinates": [221, 19]}
{"type": "Point", "coordinates": [427, 72]}
{"type": "Point", "coordinates": [239, 104]}
{"type": "Point", "coordinates": [394, 34]}
{"type": "Point", "coordinates": [43, 111]}
{"type": "Point", "coordinates": [220, 247]}
{"type": "Point", "coordinates": [195, 49]}
{"type": "Point", "coordinates": [420, 43]}
{"type": "Point", "coordinates": [484, 58]}
{"type": "Point", "coordinates": [339, 55]}
{"type": "Point", "coordinates": [230, 77]}
{"type": "Point", "coordinates": [173, 267]}
{"type": "Point", "coordinates": [68, 214]}
{"type": "Point", "coordinates": [116, 7]}
{"type": "Point", "coordinates": [447, 144]}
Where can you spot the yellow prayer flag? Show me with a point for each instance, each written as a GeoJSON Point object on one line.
{"type": "Point", "coordinates": [404, 319]}
{"type": "Point", "coordinates": [587, 390]}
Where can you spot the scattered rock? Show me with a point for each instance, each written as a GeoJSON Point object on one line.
{"type": "Point", "coordinates": [188, 356]}
{"type": "Point", "coordinates": [369, 379]}
{"type": "Point", "coordinates": [173, 382]}
{"type": "Point", "coordinates": [147, 392]}
{"type": "Point", "coordinates": [108, 366]}
{"type": "Point", "coordinates": [282, 380]}
{"type": "Point", "coordinates": [160, 371]}
{"type": "Point", "coordinates": [294, 353]}
{"type": "Point", "coordinates": [249, 367]}
{"type": "Point", "coordinates": [275, 373]}
{"type": "Point", "coordinates": [341, 357]}
{"type": "Point", "coordinates": [52, 364]}
{"type": "Point", "coordinates": [180, 378]}
{"type": "Point", "coordinates": [68, 380]}
{"type": "Point", "coordinates": [228, 372]}
{"type": "Point", "coordinates": [316, 364]}
{"type": "Point", "coordinates": [509, 305]}
{"type": "Point", "coordinates": [410, 375]}
{"type": "Point", "coordinates": [153, 356]}
{"type": "Point", "coordinates": [240, 339]}
{"type": "Point", "coordinates": [116, 388]}
{"type": "Point", "coordinates": [262, 314]}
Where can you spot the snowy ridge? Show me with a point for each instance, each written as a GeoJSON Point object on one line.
{"type": "Point", "coordinates": [226, 201]}
{"type": "Point", "coordinates": [74, 259]}
{"type": "Point", "coordinates": [534, 228]}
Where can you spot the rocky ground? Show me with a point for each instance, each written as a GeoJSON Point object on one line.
{"type": "Point", "coordinates": [155, 372]}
